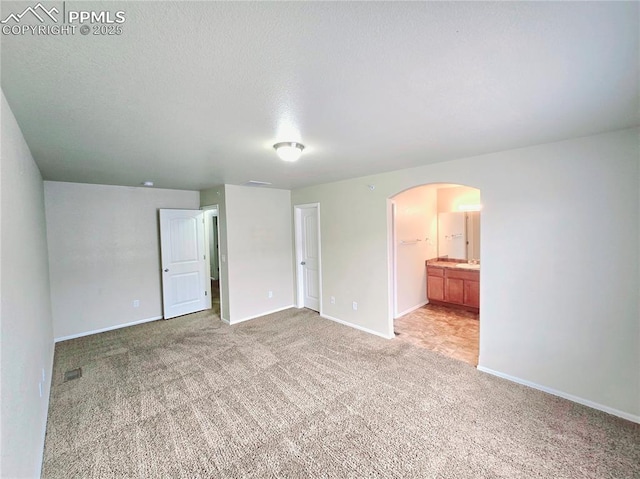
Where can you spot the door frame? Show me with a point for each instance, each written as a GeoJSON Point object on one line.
{"type": "Point", "coordinates": [393, 255]}
{"type": "Point", "coordinates": [392, 261]}
{"type": "Point", "coordinates": [207, 223]}
{"type": "Point", "coordinates": [391, 267]}
{"type": "Point", "coordinates": [297, 220]}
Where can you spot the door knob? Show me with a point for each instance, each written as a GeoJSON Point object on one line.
{"type": "Point", "coordinates": [166, 270]}
{"type": "Point", "coordinates": [303, 263]}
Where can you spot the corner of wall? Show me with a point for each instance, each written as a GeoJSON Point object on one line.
{"type": "Point", "coordinates": [26, 342]}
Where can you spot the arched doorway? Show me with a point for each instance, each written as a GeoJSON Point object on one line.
{"type": "Point", "coordinates": [436, 250]}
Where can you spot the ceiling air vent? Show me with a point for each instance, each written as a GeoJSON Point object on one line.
{"type": "Point", "coordinates": [257, 183]}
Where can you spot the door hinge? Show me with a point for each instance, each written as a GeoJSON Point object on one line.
{"type": "Point", "coordinates": [205, 293]}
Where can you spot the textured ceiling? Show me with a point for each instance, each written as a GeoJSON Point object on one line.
{"type": "Point", "coordinates": [193, 94]}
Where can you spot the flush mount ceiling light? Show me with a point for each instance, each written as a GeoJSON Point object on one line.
{"type": "Point", "coordinates": [289, 150]}
{"type": "Point", "coordinates": [147, 183]}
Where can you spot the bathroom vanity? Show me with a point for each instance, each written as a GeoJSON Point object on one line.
{"type": "Point", "coordinates": [453, 283]}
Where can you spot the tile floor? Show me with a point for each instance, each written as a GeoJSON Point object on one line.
{"type": "Point", "coordinates": [448, 331]}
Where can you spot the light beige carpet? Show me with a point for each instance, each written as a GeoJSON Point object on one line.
{"type": "Point", "coordinates": [294, 395]}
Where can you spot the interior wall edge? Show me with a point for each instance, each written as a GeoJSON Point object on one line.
{"type": "Point", "coordinates": [585, 402]}
{"type": "Point", "coordinates": [358, 327]}
{"type": "Point", "coordinates": [411, 309]}
{"type": "Point", "coordinates": [104, 330]}
{"type": "Point", "coordinates": [260, 315]}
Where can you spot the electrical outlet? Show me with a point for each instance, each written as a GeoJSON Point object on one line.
{"type": "Point", "coordinates": [223, 258]}
{"type": "Point", "coordinates": [333, 300]}
{"type": "Point", "coordinates": [136, 303]}
{"type": "Point", "coordinates": [270, 294]}
{"type": "Point", "coordinates": [355, 306]}
{"type": "Point", "coordinates": [40, 388]}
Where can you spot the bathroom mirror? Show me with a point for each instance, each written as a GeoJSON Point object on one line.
{"type": "Point", "coordinates": [459, 235]}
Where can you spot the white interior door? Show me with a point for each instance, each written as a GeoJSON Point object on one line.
{"type": "Point", "coordinates": [185, 283]}
{"type": "Point", "coordinates": [307, 232]}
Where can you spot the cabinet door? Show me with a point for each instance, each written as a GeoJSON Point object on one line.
{"type": "Point", "coordinates": [435, 288]}
{"type": "Point", "coordinates": [472, 293]}
{"type": "Point", "coordinates": [454, 290]}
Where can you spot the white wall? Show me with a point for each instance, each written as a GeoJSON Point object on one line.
{"type": "Point", "coordinates": [26, 332]}
{"type": "Point", "coordinates": [560, 261]}
{"type": "Point", "coordinates": [259, 246]}
{"type": "Point", "coordinates": [415, 219]}
{"type": "Point", "coordinates": [104, 253]}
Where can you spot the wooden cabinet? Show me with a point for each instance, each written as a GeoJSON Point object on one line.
{"type": "Point", "coordinates": [435, 283]}
{"type": "Point", "coordinates": [454, 290]}
{"type": "Point", "coordinates": [472, 293]}
{"type": "Point", "coordinates": [451, 286]}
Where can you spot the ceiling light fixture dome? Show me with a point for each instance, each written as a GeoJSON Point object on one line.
{"type": "Point", "coordinates": [289, 150]}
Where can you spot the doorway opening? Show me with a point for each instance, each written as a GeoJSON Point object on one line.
{"type": "Point", "coordinates": [435, 250]}
{"type": "Point", "coordinates": [212, 230]}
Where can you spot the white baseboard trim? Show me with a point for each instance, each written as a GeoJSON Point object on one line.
{"type": "Point", "coordinates": [356, 326]}
{"type": "Point", "coordinates": [236, 321]}
{"type": "Point", "coordinates": [570, 397]}
{"type": "Point", "coordinates": [110, 328]}
{"type": "Point", "coordinates": [407, 311]}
